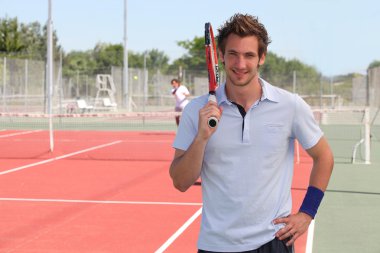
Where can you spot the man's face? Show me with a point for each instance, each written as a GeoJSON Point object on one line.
{"type": "Point", "coordinates": [241, 58]}
{"type": "Point", "coordinates": [174, 84]}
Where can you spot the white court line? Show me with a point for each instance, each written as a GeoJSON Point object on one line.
{"type": "Point", "coordinates": [179, 231]}
{"type": "Point", "coordinates": [309, 243]}
{"type": "Point", "coordinates": [19, 133]}
{"type": "Point", "coordinates": [58, 157]}
{"type": "Point", "coordinates": [125, 141]}
{"type": "Point", "coordinates": [310, 237]}
{"type": "Point", "coordinates": [84, 201]}
{"type": "Point", "coordinates": [148, 141]}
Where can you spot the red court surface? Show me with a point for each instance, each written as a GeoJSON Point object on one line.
{"type": "Point", "coordinates": [100, 192]}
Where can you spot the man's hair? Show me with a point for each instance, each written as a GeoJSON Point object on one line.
{"type": "Point", "coordinates": [243, 26]}
{"type": "Point", "coordinates": [175, 80]}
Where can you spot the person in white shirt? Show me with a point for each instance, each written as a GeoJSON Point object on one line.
{"type": "Point", "coordinates": [180, 93]}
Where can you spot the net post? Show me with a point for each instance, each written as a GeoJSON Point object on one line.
{"type": "Point", "coordinates": [367, 136]}
{"type": "Point", "coordinates": [49, 71]}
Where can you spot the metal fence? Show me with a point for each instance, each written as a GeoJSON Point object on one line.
{"type": "Point", "coordinates": [23, 88]}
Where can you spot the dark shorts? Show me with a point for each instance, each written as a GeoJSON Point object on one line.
{"type": "Point", "coordinates": [274, 246]}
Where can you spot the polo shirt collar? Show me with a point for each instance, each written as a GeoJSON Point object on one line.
{"type": "Point", "coordinates": [221, 95]}
{"type": "Point", "coordinates": [269, 93]}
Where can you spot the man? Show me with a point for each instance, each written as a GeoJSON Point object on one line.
{"type": "Point", "coordinates": [180, 93]}
{"type": "Point", "coordinates": [246, 162]}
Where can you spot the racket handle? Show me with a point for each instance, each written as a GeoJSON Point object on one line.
{"type": "Point", "coordinates": [212, 121]}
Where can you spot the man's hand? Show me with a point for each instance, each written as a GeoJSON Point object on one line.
{"type": "Point", "coordinates": [295, 226]}
{"type": "Point", "coordinates": [209, 110]}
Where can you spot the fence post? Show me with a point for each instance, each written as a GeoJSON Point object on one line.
{"type": "Point", "coordinates": [26, 86]}
{"type": "Point", "coordinates": [4, 81]}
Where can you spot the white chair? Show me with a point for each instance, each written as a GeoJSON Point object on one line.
{"type": "Point", "coordinates": [108, 104]}
{"type": "Point", "coordinates": [83, 107]}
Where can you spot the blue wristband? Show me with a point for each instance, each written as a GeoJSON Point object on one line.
{"type": "Point", "coordinates": [311, 201]}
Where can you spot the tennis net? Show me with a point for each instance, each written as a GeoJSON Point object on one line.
{"type": "Point", "coordinates": [349, 132]}
{"type": "Point", "coordinates": [139, 121]}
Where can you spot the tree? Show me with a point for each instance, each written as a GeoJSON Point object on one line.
{"type": "Point", "coordinates": [107, 55]}
{"type": "Point", "coordinates": [194, 59]}
{"type": "Point", "coordinates": [279, 71]}
{"type": "Point", "coordinates": [10, 36]}
{"type": "Point", "coordinates": [31, 36]}
{"type": "Point", "coordinates": [41, 50]}
{"type": "Point", "coordinates": [155, 59]}
{"type": "Point", "coordinates": [25, 40]}
{"type": "Point", "coordinates": [104, 56]}
{"type": "Point", "coordinates": [374, 64]}
{"type": "Point", "coordinates": [78, 61]}
{"type": "Point", "coordinates": [135, 60]}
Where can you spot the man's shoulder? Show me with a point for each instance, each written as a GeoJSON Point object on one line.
{"type": "Point", "coordinates": [182, 88]}
{"type": "Point", "coordinates": [192, 108]}
{"type": "Point", "coordinates": [277, 89]}
{"type": "Point", "coordinates": [278, 94]}
{"type": "Point", "coordinates": [199, 102]}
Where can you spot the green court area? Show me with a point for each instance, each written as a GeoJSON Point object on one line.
{"type": "Point", "coordinates": [343, 139]}
{"type": "Point", "coordinates": [348, 220]}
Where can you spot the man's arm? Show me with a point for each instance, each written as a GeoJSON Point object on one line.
{"type": "Point", "coordinates": [186, 92]}
{"type": "Point", "coordinates": [323, 162]}
{"type": "Point", "coordinates": [186, 165]}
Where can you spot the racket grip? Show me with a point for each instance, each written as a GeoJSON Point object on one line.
{"type": "Point", "coordinates": [212, 121]}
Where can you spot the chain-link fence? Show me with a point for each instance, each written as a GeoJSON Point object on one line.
{"type": "Point", "coordinates": [23, 88]}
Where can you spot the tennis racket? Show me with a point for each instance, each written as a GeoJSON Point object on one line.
{"type": "Point", "coordinates": [212, 67]}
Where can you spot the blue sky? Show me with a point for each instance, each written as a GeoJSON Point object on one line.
{"type": "Point", "coordinates": [335, 36]}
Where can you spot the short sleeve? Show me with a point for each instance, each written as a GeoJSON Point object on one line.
{"type": "Point", "coordinates": [187, 129]}
{"type": "Point", "coordinates": [305, 128]}
{"type": "Point", "coordinates": [185, 90]}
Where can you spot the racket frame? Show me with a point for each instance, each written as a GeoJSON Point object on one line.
{"type": "Point", "coordinates": [212, 67]}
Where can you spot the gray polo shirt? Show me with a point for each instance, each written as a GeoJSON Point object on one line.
{"type": "Point", "coordinates": [248, 166]}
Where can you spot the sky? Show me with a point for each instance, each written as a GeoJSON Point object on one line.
{"type": "Point", "coordinates": [336, 37]}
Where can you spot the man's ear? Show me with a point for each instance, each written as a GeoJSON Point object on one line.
{"type": "Point", "coordinates": [221, 56]}
{"type": "Point", "coordinates": [262, 59]}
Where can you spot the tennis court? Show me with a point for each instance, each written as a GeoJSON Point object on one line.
{"type": "Point", "coordinates": [110, 191]}
{"type": "Point", "coordinates": [98, 192]}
